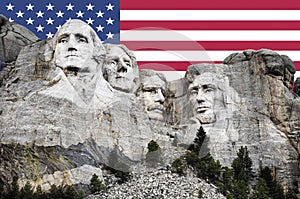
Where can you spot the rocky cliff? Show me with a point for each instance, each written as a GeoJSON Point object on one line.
{"type": "Point", "coordinates": [60, 125]}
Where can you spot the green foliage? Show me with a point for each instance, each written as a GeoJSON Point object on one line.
{"type": "Point", "coordinates": [192, 158]}
{"type": "Point", "coordinates": [26, 191]}
{"type": "Point", "coordinates": [278, 192]}
{"type": "Point", "coordinates": [96, 184]}
{"type": "Point", "coordinates": [200, 193]}
{"type": "Point", "coordinates": [275, 189]}
{"type": "Point", "coordinates": [199, 140]}
{"type": "Point", "coordinates": [179, 166]}
{"type": "Point", "coordinates": [153, 157]}
{"type": "Point", "coordinates": [291, 194]}
{"type": "Point", "coordinates": [242, 165]}
{"type": "Point", "coordinates": [240, 189]}
{"type": "Point", "coordinates": [153, 146]}
{"type": "Point", "coordinates": [260, 190]}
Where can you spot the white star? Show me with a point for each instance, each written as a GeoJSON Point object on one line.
{"type": "Point", "coordinates": [49, 35]}
{"type": "Point", "coordinates": [100, 28]}
{"type": "Point", "coordinates": [99, 13]}
{"type": "Point", "coordinates": [70, 7]}
{"type": "Point", "coordinates": [79, 14]}
{"type": "Point", "coordinates": [10, 7]}
{"type": "Point", "coordinates": [30, 21]}
{"type": "Point", "coordinates": [20, 14]}
{"type": "Point", "coordinates": [39, 14]}
{"type": "Point", "coordinates": [30, 7]}
{"type": "Point", "coordinates": [39, 28]}
{"type": "Point", "coordinates": [50, 21]}
{"type": "Point", "coordinates": [110, 21]}
{"type": "Point", "coordinates": [90, 21]}
{"type": "Point", "coordinates": [110, 7]}
{"type": "Point", "coordinates": [10, 19]}
{"type": "Point", "coordinates": [68, 19]}
{"type": "Point", "coordinates": [50, 6]}
{"type": "Point", "coordinates": [110, 35]}
{"type": "Point", "coordinates": [90, 6]}
{"type": "Point", "coordinates": [58, 27]}
{"type": "Point", "coordinates": [60, 14]}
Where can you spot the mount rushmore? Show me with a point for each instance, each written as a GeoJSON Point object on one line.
{"type": "Point", "coordinates": [84, 101]}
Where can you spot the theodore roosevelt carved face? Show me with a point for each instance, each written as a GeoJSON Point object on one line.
{"type": "Point", "coordinates": [152, 94]}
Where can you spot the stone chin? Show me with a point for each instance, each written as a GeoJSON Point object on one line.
{"type": "Point", "coordinates": [155, 115]}
{"type": "Point", "coordinates": [122, 84]}
{"type": "Point", "coordinates": [207, 117]}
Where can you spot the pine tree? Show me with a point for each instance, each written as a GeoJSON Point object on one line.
{"type": "Point", "coordinates": [242, 165]}
{"type": "Point", "coordinates": [153, 157]}
{"type": "Point", "coordinates": [179, 166]}
{"type": "Point", "coordinates": [260, 190]}
{"type": "Point", "coordinates": [240, 189]}
{"type": "Point", "coordinates": [96, 184]}
{"type": "Point", "coordinates": [26, 191]}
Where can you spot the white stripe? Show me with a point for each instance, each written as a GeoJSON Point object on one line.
{"type": "Point", "coordinates": [173, 75]}
{"type": "Point", "coordinates": [175, 15]}
{"type": "Point", "coordinates": [197, 55]}
{"type": "Point", "coordinates": [207, 35]}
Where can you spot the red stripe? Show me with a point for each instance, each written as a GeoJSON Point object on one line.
{"type": "Point", "coordinates": [209, 5]}
{"type": "Point", "coordinates": [179, 66]}
{"type": "Point", "coordinates": [211, 25]}
{"type": "Point", "coordinates": [211, 45]}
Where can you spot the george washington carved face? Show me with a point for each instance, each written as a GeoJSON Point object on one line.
{"type": "Point", "coordinates": [74, 47]}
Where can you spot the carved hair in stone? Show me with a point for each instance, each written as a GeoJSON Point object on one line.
{"type": "Point", "coordinates": [152, 94]}
{"type": "Point", "coordinates": [120, 68]}
{"type": "Point", "coordinates": [77, 48]}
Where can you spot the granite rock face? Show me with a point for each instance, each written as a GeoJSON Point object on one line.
{"type": "Point", "coordinates": [87, 121]}
{"type": "Point", "coordinates": [252, 105]}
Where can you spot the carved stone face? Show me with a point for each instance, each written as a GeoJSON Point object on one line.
{"type": "Point", "coordinates": [119, 69]}
{"type": "Point", "coordinates": [153, 97]}
{"type": "Point", "coordinates": [74, 47]}
{"type": "Point", "coordinates": [205, 98]}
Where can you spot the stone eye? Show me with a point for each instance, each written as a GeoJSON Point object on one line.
{"type": "Point", "coordinates": [63, 40]}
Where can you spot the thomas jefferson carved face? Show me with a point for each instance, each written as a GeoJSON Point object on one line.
{"type": "Point", "coordinates": [74, 47]}
{"type": "Point", "coordinates": [205, 97]}
{"type": "Point", "coordinates": [119, 70]}
{"type": "Point", "coordinates": [152, 95]}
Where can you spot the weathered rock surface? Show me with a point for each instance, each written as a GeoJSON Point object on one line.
{"type": "Point", "coordinates": [13, 37]}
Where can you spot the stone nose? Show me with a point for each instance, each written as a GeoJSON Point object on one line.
{"type": "Point", "coordinates": [72, 44]}
{"type": "Point", "coordinates": [122, 67]}
{"type": "Point", "coordinates": [200, 96]}
{"type": "Point", "coordinates": [159, 96]}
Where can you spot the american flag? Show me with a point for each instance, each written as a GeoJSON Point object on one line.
{"type": "Point", "coordinates": [44, 18]}
{"type": "Point", "coordinates": [169, 35]}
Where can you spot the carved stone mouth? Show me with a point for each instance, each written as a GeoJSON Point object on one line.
{"type": "Point", "coordinates": [71, 70]}
{"type": "Point", "coordinates": [202, 109]}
